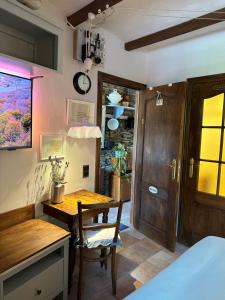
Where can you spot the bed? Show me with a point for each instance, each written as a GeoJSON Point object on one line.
{"type": "Point", "coordinates": [199, 274]}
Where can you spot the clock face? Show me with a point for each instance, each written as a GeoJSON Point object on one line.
{"type": "Point", "coordinates": [82, 83]}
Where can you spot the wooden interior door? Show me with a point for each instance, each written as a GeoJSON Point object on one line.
{"type": "Point", "coordinates": [203, 192]}
{"type": "Point", "coordinates": [159, 150]}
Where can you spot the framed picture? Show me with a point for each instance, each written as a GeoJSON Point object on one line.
{"type": "Point", "coordinates": [80, 113]}
{"type": "Point", "coordinates": [52, 144]}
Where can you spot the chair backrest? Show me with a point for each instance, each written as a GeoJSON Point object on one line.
{"type": "Point", "coordinates": [103, 207]}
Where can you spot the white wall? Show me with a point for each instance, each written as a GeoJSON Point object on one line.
{"type": "Point", "coordinates": [23, 179]}
{"type": "Point", "coordinates": [199, 56]}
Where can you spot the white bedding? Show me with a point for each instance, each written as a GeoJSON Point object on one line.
{"type": "Point", "coordinates": [199, 274]}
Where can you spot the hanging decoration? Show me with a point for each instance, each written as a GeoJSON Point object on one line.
{"type": "Point", "coordinates": [89, 48]}
{"type": "Point", "coordinates": [159, 99]}
{"type": "Point", "coordinates": [89, 44]}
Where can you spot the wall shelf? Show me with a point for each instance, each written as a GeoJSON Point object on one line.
{"type": "Point", "coordinates": [125, 107]}
{"type": "Point", "coordinates": [120, 118]}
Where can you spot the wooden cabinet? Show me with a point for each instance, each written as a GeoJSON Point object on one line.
{"type": "Point", "coordinates": [38, 269]}
{"type": "Point", "coordinates": [42, 280]}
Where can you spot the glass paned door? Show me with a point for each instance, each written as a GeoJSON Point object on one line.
{"type": "Point", "coordinates": [203, 190]}
{"type": "Point", "coordinates": [212, 151]}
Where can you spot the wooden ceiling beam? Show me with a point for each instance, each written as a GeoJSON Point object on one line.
{"type": "Point", "coordinates": [177, 30]}
{"type": "Point", "coordinates": [82, 15]}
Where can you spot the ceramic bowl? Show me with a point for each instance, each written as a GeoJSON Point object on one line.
{"type": "Point", "coordinates": [113, 124]}
{"type": "Point", "coordinates": [117, 111]}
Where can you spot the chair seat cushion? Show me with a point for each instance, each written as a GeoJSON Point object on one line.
{"type": "Point", "coordinates": [102, 237]}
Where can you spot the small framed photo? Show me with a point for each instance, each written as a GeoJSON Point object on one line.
{"type": "Point", "coordinates": [52, 144]}
{"type": "Point", "coordinates": [80, 113]}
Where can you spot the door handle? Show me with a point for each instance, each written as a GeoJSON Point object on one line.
{"type": "Point", "coordinates": [191, 167]}
{"type": "Point", "coordinates": [192, 164]}
{"type": "Point", "coordinates": [173, 166]}
{"type": "Point", "coordinates": [178, 171]}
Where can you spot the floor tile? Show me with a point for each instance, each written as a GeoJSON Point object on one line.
{"type": "Point", "coordinates": [162, 259]}
{"type": "Point", "coordinates": [136, 234]}
{"type": "Point", "coordinates": [145, 271]}
{"type": "Point", "coordinates": [139, 260]}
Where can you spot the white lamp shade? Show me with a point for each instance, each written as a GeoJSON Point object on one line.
{"type": "Point", "coordinates": [85, 132]}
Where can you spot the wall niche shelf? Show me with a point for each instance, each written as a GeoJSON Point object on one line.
{"type": "Point", "coordinates": [29, 37]}
{"type": "Point", "coordinates": [107, 113]}
{"type": "Point", "coordinates": [125, 107]}
{"type": "Point", "coordinates": [120, 118]}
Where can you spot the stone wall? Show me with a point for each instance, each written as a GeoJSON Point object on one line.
{"type": "Point", "coordinates": [108, 88]}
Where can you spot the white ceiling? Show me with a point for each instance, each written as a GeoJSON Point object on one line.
{"type": "Point", "coordinates": [148, 16]}
{"type": "Point", "coordinates": [135, 18]}
{"type": "Point", "coordinates": [67, 7]}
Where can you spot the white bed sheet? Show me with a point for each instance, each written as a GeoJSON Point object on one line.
{"type": "Point", "coordinates": [199, 274]}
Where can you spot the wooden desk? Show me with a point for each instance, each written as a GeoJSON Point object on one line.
{"type": "Point", "coordinates": [33, 248]}
{"type": "Point", "coordinates": [67, 213]}
{"type": "Point", "coordinates": [67, 210]}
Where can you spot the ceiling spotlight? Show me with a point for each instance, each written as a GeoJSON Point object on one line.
{"type": "Point", "coordinates": [91, 16]}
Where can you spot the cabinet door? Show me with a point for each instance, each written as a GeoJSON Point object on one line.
{"type": "Point", "coordinates": [45, 285]}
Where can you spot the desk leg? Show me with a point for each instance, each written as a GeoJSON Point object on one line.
{"type": "Point", "coordinates": [105, 216]}
{"type": "Point", "coordinates": [95, 219]}
{"type": "Point", "coordinates": [72, 255]}
{"type": "Point", "coordinates": [104, 251]}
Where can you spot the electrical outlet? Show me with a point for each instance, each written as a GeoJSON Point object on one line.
{"type": "Point", "coordinates": [86, 171]}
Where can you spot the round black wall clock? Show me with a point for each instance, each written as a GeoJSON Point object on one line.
{"type": "Point", "coordinates": [82, 83]}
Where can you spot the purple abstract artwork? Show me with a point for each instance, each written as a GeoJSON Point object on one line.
{"type": "Point", "coordinates": [15, 111]}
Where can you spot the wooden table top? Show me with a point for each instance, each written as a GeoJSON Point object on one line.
{"type": "Point", "coordinates": [69, 204]}
{"type": "Point", "coordinates": [19, 242]}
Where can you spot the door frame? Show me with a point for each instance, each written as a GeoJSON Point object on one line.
{"type": "Point", "coordinates": [112, 79]}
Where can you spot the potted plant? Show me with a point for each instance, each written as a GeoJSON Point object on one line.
{"type": "Point", "coordinates": [58, 175]}
{"type": "Point", "coordinates": [119, 160]}
{"type": "Point", "coordinates": [121, 183]}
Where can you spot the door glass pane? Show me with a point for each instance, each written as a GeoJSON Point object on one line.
{"type": "Point", "coordinates": [207, 181]}
{"type": "Point", "coordinates": [210, 144]}
{"type": "Point", "coordinates": [222, 181]}
{"type": "Point", "coordinates": [212, 111]}
{"type": "Point", "coordinates": [223, 157]}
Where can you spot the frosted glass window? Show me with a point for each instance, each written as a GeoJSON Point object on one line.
{"type": "Point", "coordinates": [210, 144]}
{"type": "Point", "coordinates": [207, 181]}
{"type": "Point", "coordinates": [213, 111]}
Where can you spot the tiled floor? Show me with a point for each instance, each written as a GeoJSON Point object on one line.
{"type": "Point", "coordinates": [138, 261]}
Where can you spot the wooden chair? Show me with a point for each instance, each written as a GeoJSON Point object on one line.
{"type": "Point", "coordinates": [103, 237]}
